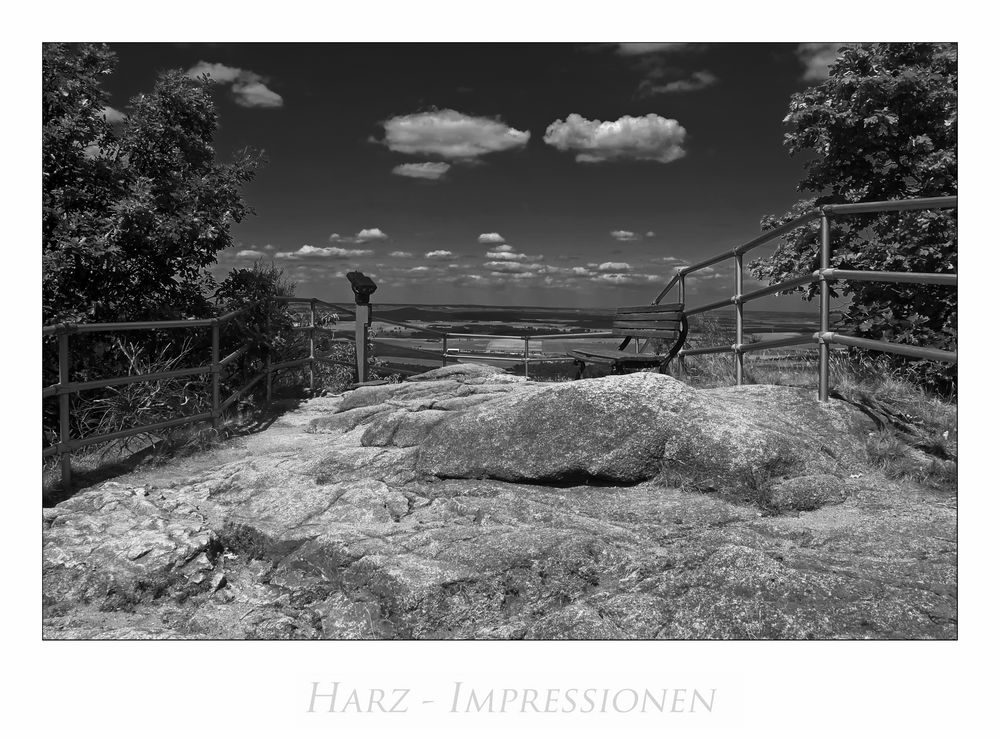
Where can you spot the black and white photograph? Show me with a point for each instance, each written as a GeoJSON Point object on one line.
{"type": "Point", "coordinates": [503, 369]}
{"type": "Point", "coordinates": [401, 344]}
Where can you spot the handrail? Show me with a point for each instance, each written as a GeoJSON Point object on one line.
{"type": "Point", "coordinates": [823, 276]}
{"type": "Point", "coordinates": [64, 388]}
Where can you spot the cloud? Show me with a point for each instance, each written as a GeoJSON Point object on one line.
{"type": "Point", "coordinates": [422, 170]}
{"type": "Point", "coordinates": [505, 255]}
{"type": "Point", "coordinates": [113, 116]}
{"type": "Point", "coordinates": [512, 267]}
{"type": "Point", "coordinates": [371, 234]}
{"type": "Point", "coordinates": [492, 238]}
{"type": "Point", "coordinates": [251, 254]}
{"type": "Point", "coordinates": [438, 254]}
{"type": "Point", "coordinates": [614, 267]}
{"type": "Point", "coordinates": [255, 94]}
{"type": "Point", "coordinates": [650, 234]}
{"type": "Point", "coordinates": [696, 81]}
{"type": "Point", "coordinates": [249, 88]}
{"type": "Point", "coordinates": [817, 58]}
{"type": "Point", "coordinates": [625, 236]}
{"type": "Point", "coordinates": [450, 135]}
{"type": "Point", "coordinates": [625, 279]}
{"type": "Point", "coordinates": [308, 250]}
{"type": "Point", "coordinates": [649, 138]}
{"type": "Point", "coordinates": [400, 254]}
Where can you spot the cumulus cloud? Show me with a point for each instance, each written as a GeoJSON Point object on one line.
{"type": "Point", "coordinates": [505, 255]}
{"type": "Point", "coordinates": [650, 138]}
{"type": "Point", "coordinates": [817, 58]}
{"type": "Point", "coordinates": [371, 234]}
{"type": "Point", "coordinates": [363, 236]}
{"type": "Point", "coordinates": [695, 81]}
{"type": "Point", "coordinates": [614, 267]}
{"type": "Point", "coordinates": [512, 267]}
{"type": "Point", "coordinates": [422, 170]}
{"type": "Point", "coordinates": [625, 236]}
{"type": "Point", "coordinates": [650, 234]}
{"type": "Point", "coordinates": [438, 254]}
{"type": "Point", "coordinates": [400, 254]}
{"type": "Point", "coordinates": [249, 89]}
{"type": "Point", "coordinates": [618, 278]}
{"type": "Point", "coordinates": [450, 135]}
{"type": "Point", "coordinates": [113, 116]}
{"type": "Point", "coordinates": [492, 238]}
{"type": "Point", "coordinates": [308, 250]}
{"type": "Point", "coordinates": [250, 254]}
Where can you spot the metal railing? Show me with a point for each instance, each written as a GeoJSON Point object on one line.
{"type": "Point", "coordinates": [524, 355]}
{"type": "Point", "coordinates": [64, 388]}
{"type": "Point", "coordinates": [824, 276]}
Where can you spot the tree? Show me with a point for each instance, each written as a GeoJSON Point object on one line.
{"type": "Point", "coordinates": [883, 126]}
{"type": "Point", "coordinates": [133, 217]}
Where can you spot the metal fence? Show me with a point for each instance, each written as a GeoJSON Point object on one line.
{"type": "Point", "coordinates": [525, 339]}
{"type": "Point", "coordinates": [824, 276]}
{"type": "Point", "coordinates": [64, 388]}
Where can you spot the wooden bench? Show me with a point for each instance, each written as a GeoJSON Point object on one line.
{"type": "Point", "coordinates": [666, 322]}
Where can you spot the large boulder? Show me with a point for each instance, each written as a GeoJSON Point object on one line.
{"type": "Point", "coordinates": [624, 429]}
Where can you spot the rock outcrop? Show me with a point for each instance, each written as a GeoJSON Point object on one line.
{"type": "Point", "coordinates": [472, 504]}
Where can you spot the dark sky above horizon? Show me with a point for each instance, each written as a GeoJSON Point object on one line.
{"type": "Point", "coordinates": [504, 174]}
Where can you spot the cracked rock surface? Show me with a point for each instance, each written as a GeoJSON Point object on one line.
{"type": "Point", "coordinates": [471, 504]}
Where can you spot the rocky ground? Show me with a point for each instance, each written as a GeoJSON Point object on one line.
{"type": "Point", "coordinates": [473, 504]}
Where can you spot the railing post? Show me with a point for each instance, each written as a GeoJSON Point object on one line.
{"type": "Point", "coordinates": [824, 308]}
{"type": "Point", "coordinates": [267, 348]}
{"type": "Point", "coordinates": [215, 373]}
{"type": "Point", "coordinates": [525, 357]}
{"type": "Point", "coordinates": [312, 346]}
{"type": "Point", "coordinates": [444, 350]}
{"type": "Point", "coordinates": [64, 456]}
{"type": "Point", "coordinates": [681, 366]}
{"type": "Point", "coordinates": [362, 316]}
{"type": "Point", "coordinates": [738, 299]}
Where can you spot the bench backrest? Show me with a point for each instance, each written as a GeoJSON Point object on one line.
{"type": "Point", "coordinates": [663, 321]}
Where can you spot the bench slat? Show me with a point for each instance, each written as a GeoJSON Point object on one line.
{"type": "Point", "coordinates": [661, 308]}
{"type": "Point", "coordinates": [647, 333]}
{"type": "Point", "coordinates": [660, 325]}
{"type": "Point", "coordinates": [613, 355]}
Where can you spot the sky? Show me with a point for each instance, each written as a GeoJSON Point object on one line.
{"type": "Point", "coordinates": [545, 174]}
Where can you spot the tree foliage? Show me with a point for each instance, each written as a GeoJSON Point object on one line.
{"type": "Point", "coordinates": [133, 213]}
{"type": "Point", "coordinates": [883, 126]}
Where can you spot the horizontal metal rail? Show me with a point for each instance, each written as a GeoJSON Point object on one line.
{"type": "Point", "coordinates": [571, 337]}
{"type": "Point", "coordinates": [519, 358]}
{"type": "Point", "coordinates": [921, 278]}
{"type": "Point", "coordinates": [758, 346]}
{"type": "Point", "coordinates": [76, 387]}
{"type": "Point", "coordinates": [317, 301]}
{"type": "Point", "coordinates": [485, 336]}
{"type": "Point", "coordinates": [69, 446]}
{"type": "Point", "coordinates": [239, 393]}
{"type": "Point", "coordinates": [774, 233]}
{"type": "Point", "coordinates": [709, 307]}
{"type": "Point", "coordinates": [778, 287]}
{"type": "Point", "coordinates": [720, 349]}
{"type": "Point", "coordinates": [237, 354]}
{"type": "Point", "coordinates": [918, 352]}
{"type": "Point", "coordinates": [330, 360]}
{"type": "Point", "coordinates": [949, 201]}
